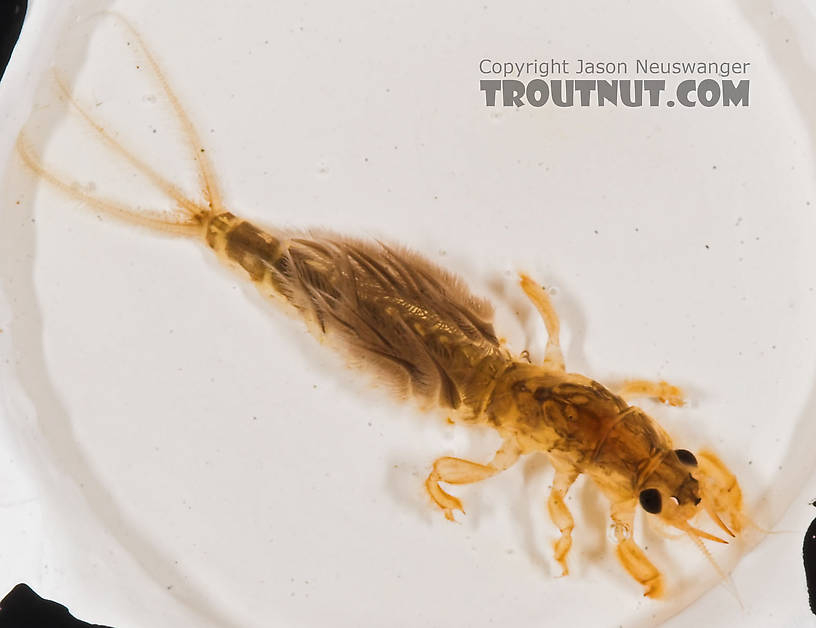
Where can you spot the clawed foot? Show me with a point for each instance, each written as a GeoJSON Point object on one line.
{"type": "Point", "coordinates": [640, 568]}
{"type": "Point", "coordinates": [562, 547]}
{"type": "Point", "coordinates": [447, 502]}
{"type": "Point", "coordinates": [654, 587]}
{"type": "Point", "coordinates": [661, 391]}
{"type": "Point", "coordinates": [459, 471]}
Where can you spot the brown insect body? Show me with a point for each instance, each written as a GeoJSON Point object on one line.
{"type": "Point", "coordinates": [418, 327]}
{"type": "Point", "coordinates": [389, 308]}
{"type": "Point", "coordinates": [415, 325]}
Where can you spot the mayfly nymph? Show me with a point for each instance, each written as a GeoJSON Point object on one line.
{"type": "Point", "coordinates": [419, 328]}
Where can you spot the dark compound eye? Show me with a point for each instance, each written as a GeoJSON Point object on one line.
{"type": "Point", "coordinates": [686, 457]}
{"type": "Point", "coordinates": [650, 500]}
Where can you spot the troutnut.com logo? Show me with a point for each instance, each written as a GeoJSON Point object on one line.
{"type": "Point", "coordinates": [623, 83]}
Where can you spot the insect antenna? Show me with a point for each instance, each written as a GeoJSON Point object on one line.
{"type": "Point", "coordinates": [716, 518]}
{"type": "Point", "coordinates": [739, 522]}
{"type": "Point", "coordinates": [693, 534]}
{"type": "Point", "coordinates": [746, 521]}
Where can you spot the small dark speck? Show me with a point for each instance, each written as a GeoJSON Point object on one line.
{"type": "Point", "coordinates": [713, 167]}
{"type": "Point", "coordinates": [596, 232]}
{"type": "Point", "coordinates": [169, 586]}
{"type": "Point", "coordinates": [202, 150]}
{"type": "Point", "coordinates": [708, 247]}
{"type": "Point", "coordinates": [750, 462]}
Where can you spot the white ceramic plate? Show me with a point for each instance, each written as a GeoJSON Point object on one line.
{"type": "Point", "coordinates": [181, 454]}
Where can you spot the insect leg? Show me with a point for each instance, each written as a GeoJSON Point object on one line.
{"type": "Point", "coordinates": [630, 555]}
{"type": "Point", "coordinates": [565, 475]}
{"type": "Point", "coordinates": [538, 295]}
{"type": "Point", "coordinates": [662, 391]}
{"type": "Point", "coordinates": [459, 471]}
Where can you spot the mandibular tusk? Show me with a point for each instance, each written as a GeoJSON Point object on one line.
{"type": "Point", "coordinates": [716, 518]}
{"type": "Point", "coordinates": [706, 535]}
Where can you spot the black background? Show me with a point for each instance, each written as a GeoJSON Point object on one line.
{"type": "Point", "coordinates": [12, 13]}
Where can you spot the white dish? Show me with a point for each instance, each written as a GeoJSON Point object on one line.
{"type": "Point", "coordinates": [193, 458]}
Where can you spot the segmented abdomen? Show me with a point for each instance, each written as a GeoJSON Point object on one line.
{"type": "Point", "coordinates": [391, 309]}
